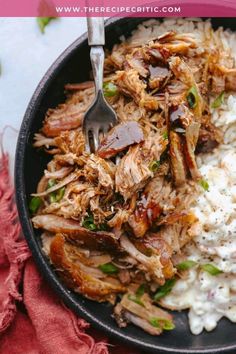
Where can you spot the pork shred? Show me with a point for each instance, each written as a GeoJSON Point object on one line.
{"type": "Point", "coordinates": [119, 138]}
{"type": "Point", "coordinates": [116, 220]}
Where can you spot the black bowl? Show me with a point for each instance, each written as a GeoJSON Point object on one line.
{"type": "Point", "coordinates": [73, 65]}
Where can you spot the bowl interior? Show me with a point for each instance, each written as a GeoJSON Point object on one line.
{"type": "Point", "coordinates": [74, 66]}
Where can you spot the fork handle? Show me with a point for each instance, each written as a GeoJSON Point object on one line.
{"type": "Point", "coordinates": [96, 40]}
{"type": "Point", "coordinates": [97, 61]}
{"type": "Point", "coordinates": [96, 31]}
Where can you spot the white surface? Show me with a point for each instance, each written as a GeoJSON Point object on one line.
{"type": "Point", "coordinates": [25, 56]}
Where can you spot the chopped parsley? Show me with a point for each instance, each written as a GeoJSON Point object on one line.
{"type": "Point", "coordinates": [154, 165]}
{"type": "Point", "coordinates": [34, 204]}
{"type": "Point", "coordinates": [162, 323]}
{"type": "Point", "coordinates": [164, 289]}
{"type": "Point", "coordinates": [192, 97]}
{"type": "Point", "coordinates": [218, 101]}
{"type": "Point", "coordinates": [185, 265]}
{"type": "Point", "coordinates": [211, 269]}
{"type": "Point", "coordinates": [204, 184]}
{"type": "Point", "coordinates": [109, 89]}
{"type": "Point", "coordinates": [108, 268]}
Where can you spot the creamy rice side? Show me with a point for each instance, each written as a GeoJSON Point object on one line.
{"type": "Point", "coordinates": [209, 297]}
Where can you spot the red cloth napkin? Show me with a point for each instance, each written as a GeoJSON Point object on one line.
{"type": "Point", "coordinates": [33, 320]}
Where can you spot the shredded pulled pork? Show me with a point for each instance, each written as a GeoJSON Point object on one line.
{"type": "Point", "coordinates": [119, 217]}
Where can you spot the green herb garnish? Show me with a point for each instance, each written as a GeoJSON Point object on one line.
{"type": "Point", "coordinates": [162, 323]}
{"type": "Point", "coordinates": [56, 196]}
{"type": "Point", "coordinates": [204, 184]}
{"type": "Point", "coordinates": [185, 265]}
{"type": "Point", "coordinates": [219, 100]}
{"type": "Point", "coordinates": [34, 204]}
{"type": "Point", "coordinates": [154, 165]}
{"type": "Point", "coordinates": [88, 223]}
{"type": "Point", "coordinates": [164, 289]}
{"type": "Point", "coordinates": [138, 294]}
{"type": "Point", "coordinates": [108, 268]}
{"type": "Point", "coordinates": [109, 89]}
{"type": "Point", "coordinates": [192, 97]}
{"type": "Point", "coordinates": [165, 135]}
{"type": "Point", "coordinates": [135, 299]}
{"type": "Point", "coordinates": [43, 22]}
{"type": "Point", "coordinates": [51, 183]}
{"type": "Point", "coordinates": [103, 227]}
{"type": "Point", "coordinates": [60, 194]}
{"type": "Point", "coordinates": [140, 291]}
{"type": "Point", "coordinates": [211, 269]}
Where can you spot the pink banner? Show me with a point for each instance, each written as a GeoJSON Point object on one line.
{"type": "Point", "coordinates": [120, 8]}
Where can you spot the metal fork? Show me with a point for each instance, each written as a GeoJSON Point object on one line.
{"type": "Point", "coordinates": [100, 117]}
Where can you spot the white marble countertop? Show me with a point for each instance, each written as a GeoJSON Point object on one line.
{"type": "Point", "coordinates": [25, 56]}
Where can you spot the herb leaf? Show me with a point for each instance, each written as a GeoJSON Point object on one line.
{"type": "Point", "coordinates": [154, 165]}
{"type": "Point", "coordinates": [60, 193]}
{"type": "Point", "coordinates": [219, 100]}
{"type": "Point", "coordinates": [192, 97]}
{"type": "Point", "coordinates": [163, 323]}
{"type": "Point", "coordinates": [141, 290]}
{"type": "Point", "coordinates": [88, 223]}
{"type": "Point", "coordinates": [135, 299]}
{"type": "Point", "coordinates": [34, 204]}
{"type": "Point", "coordinates": [165, 135]}
{"type": "Point", "coordinates": [43, 22]}
{"type": "Point", "coordinates": [204, 184]}
{"type": "Point", "coordinates": [109, 89]}
{"type": "Point", "coordinates": [138, 294]}
{"type": "Point", "coordinates": [164, 289]}
{"type": "Point", "coordinates": [56, 196]}
{"type": "Point", "coordinates": [108, 268]}
{"type": "Point", "coordinates": [211, 269]}
{"type": "Point", "coordinates": [185, 265]}
{"type": "Point", "coordinates": [51, 183]}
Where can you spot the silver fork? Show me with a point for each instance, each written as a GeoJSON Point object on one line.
{"type": "Point", "coordinates": [100, 117]}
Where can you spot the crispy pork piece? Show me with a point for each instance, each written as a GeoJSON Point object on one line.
{"type": "Point", "coordinates": [72, 141]}
{"type": "Point", "coordinates": [183, 122]}
{"type": "Point", "coordinates": [135, 60]}
{"type": "Point", "coordinates": [134, 170]}
{"type": "Point", "coordinates": [58, 174]}
{"type": "Point", "coordinates": [159, 75]}
{"type": "Point", "coordinates": [99, 170]}
{"type": "Point", "coordinates": [178, 166]}
{"type": "Point", "coordinates": [73, 230]}
{"type": "Point", "coordinates": [119, 138]}
{"type": "Point", "coordinates": [65, 118]}
{"type": "Point", "coordinates": [154, 244]}
{"type": "Point", "coordinates": [130, 84]}
{"type": "Point", "coordinates": [69, 115]}
{"type": "Point", "coordinates": [191, 138]}
{"type": "Point", "coordinates": [151, 264]}
{"type": "Point", "coordinates": [145, 213]}
{"type": "Point", "coordinates": [88, 281]}
{"type": "Point", "coordinates": [209, 137]}
{"type": "Point", "coordinates": [175, 43]}
{"type": "Point", "coordinates": [183, 72]}
{"type": "Point", "coordinates": [142, 315]}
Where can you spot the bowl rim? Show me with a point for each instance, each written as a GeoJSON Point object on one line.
{"type": "Point", "coordinates": [20, 196]}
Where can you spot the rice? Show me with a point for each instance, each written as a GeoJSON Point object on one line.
{"type": "Point", "coordinates": [209, 297]}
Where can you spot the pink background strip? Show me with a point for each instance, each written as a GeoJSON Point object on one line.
{"type": "Point", "coordinates": [121, 8]}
